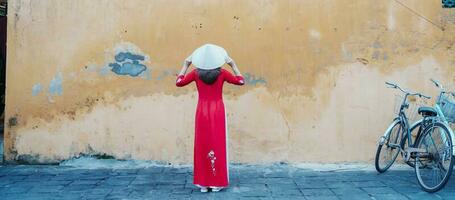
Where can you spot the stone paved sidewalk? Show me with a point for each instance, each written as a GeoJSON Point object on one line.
{"type": "Point", "coordinates": [247, 182]}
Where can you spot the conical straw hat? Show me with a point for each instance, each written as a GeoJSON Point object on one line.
{"type": "Point", "coordinates": [209, 56]}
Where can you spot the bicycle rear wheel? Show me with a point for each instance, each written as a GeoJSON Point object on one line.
{"type": "Point", "coordinates": [389, 147]}
{"type": "Point", "coordinates": [434, 161]}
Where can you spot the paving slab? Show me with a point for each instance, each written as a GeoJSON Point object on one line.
{"type": "Point", "coordinates": [278, 181]}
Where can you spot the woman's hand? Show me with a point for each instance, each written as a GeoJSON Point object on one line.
{"type": "Point", "coordinates": [234, 68]}
{"type": "Point", "coordinates": [185, 67]}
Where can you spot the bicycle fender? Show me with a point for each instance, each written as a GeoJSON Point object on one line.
{"type": "Point", "coordinates": [416, 124]}
{"type": "Point", "coordinates": [395, 121]}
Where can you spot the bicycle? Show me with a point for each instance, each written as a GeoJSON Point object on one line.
{"type": "Point", "coordinates": [393, 141]}
{"type": "Point", "coordinates": [425, 151]}
{"type": "Point", "coordinates": [434, 162]}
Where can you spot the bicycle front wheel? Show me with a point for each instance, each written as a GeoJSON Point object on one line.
{"type": "Point", "coordinates": [434, 160]}
{"type": "Point", "coordinates": [389, 147]}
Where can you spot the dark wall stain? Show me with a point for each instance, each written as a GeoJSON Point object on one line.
{"type": "Point", "coordinates": [12, 121]}
{"type": "Point", "coordinates": [36, 159]}
{"type": "Point", "coordinates": [363, 61]}
{"type": "Point", "coordinates": [196, 26]}
{"type": "Point", "coordinates": [90, 152]}
{"type": "Point", "coordinates": [33, 159]}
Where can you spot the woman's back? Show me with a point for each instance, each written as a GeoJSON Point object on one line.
{"type": "Point", "coordinates": [212, 91]}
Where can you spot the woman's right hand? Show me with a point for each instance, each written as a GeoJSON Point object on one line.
{"type": "Point", "coordinates": [234, 68]}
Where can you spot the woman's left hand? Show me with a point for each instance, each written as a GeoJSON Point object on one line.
{"type": "Point", "coordinates": [185, 67]}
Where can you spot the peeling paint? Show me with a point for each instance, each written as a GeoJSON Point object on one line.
{"type": "Point", "coordinates": [164, 74]}
{"type": "Point", "coordinates": [377, 45]}
{"type": "Point", "coordinates": [103, 71]}
{"type": "Point", "coordinates": [123, 56]}
{"type": "Point", "coordinates": [124, 59]}
{"type": "Point", "coordinates": [253, 80]}
{"type": "Point", "coordinates": [128, 64]}
{"type": "Point", "coordinates": [147, 74]}
{"type": "Point", "coordinates": [36, 89]}
{"type": "Point", "coordinates": [347, 56]}
{"type": "Point", "coordinates": [385, 56]}
{"type": "Point", "coordinates": [375, 55]}
{"type": "Point", "coordinates": [129, 60]}
{"type": "Point", "coordinates": [133, 68]}
{"type": "Point", "coordinates": [55, 86]}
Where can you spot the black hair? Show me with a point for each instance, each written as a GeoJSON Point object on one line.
{"type": "Point", "coordinates": [209, 76]}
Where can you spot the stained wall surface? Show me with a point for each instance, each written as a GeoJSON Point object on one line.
{"type": "Point", "coordinates": [98, 77]}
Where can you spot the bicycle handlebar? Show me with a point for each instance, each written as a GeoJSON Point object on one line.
{"type": "Point", "coordinates": [436, 83]}
{"type": "Point", "coordinates": [443, 90]}
{"type": "Point", "coordinates": [395, 86]}
{"type": "Point", "coordinates": [391, 84]}
{"type": "Point", "coordinates": [421, 95]}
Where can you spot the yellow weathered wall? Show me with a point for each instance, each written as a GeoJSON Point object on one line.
{"type": "Point", "coordinates": [315, 75]}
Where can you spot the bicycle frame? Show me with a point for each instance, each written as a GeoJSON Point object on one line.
{"type": "Point", "coordinates": [405, 128]}
{"type": "Point", "coordinates": [402, 118]}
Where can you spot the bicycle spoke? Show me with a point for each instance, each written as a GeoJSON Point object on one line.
{"type": "Point", "coordinates": [442, 169]}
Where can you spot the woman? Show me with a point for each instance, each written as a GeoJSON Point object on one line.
{"type": "Point", "coordinates": [210, 141]}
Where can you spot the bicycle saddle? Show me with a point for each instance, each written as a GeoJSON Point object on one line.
{"type": "Point", "coordinates": [427, 111]}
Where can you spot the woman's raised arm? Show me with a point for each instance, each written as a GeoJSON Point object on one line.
{"type": "Point", "coordinates": [234, 67]}
{"type": "Point", "coordinates": [185, 67]}
{"type": "Point", "coordinates": [238, 78]}
{"type": "Point", "coordinates": [183, 80]}
{"type": "Point", "coordinates": [230, 78]}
